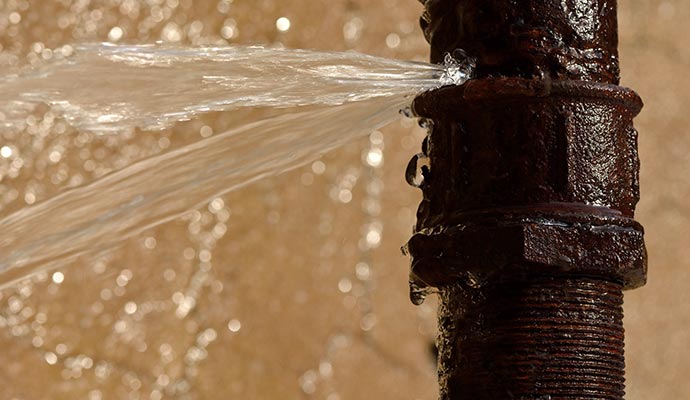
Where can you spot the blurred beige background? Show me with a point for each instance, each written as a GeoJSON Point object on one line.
{"type": "Point", "coordinates": [274, 291]}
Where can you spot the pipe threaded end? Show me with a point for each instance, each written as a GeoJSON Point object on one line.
{"type": "Point", "coordinates": [536, 338]}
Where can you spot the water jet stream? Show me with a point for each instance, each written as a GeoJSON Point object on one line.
{"type": "Point", "coordinates": [336, 97]}
{"type": "Point", "coordinates": [155, 190]}
{"type": "Point", "coordinates": [105, 88]}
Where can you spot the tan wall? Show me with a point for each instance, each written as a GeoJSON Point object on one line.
{"type": "Point", "coordinates": [285, 252]}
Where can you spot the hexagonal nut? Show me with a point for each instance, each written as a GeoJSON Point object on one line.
{"type": "Point", "coordinates": [444, 255]}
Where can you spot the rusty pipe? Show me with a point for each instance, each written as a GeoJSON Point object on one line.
{"type": "Point", "coordinates": [526, 227]}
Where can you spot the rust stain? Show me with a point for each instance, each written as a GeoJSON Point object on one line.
{"type": "Point", "coordinates": [527, 223]}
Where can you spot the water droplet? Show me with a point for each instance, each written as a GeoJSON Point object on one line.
{"type": "Point", "coordinates": [234, 325]}
{"type": "Point", "coordinates": [407, 112]}
{"type": "Point", "coordinates": [15, 18]}
{"type": "Point", "coordinates": [419, 291]}
{"type": "Point", "coordinates": [345, 285]}
{"type": "Point", "coordinates": [417, 170]}
{"type": "Point", "coordinates": [283, 24]}
{"type": "Point", "coordinates": [150, 242]}
{"type": "Point", "coordinates": [367, 322]}
{"type": "Point", "coordinates": [373, 237]}
{"type": "Point", "coordinates": [362, 271]}
{"type": "Point", "coordinates": [325, 369]}
{"type": "Point", "coordinates": [224, 6]}
{"type": "Point", "coordinates": [61, 348]}
{"type": "Point", "coordinates": [393, 40]}
{"type": "Point", "coordinates": [58, 277]}
{"type": "Point", "coordinates": [345, 196]}
{"type": "Point", "coordinates": [352, 30]}
{"type": "Point", "coordinates": [131, 307]}
{"type": "Point", "coordinates": [374, 157]}
{"type": "Point", "coordinates": [308, 382]}
{"type": "Point", "coordinates": [6, 152]}
{"type": "Point", "coordinates": [206, 131]}
{"type": "Point", "coordinates": [171, 32]}
{"type": "Point", "coordinates": [318, 167]}
{"type": "Point", "coordinates": [115, 34]}
{"type": "Point", "coordinates": [50, 358]}
{"type": "Point", "coordinates": [426, 123]}
{"type": "Point", "coordinates": [376, 138]}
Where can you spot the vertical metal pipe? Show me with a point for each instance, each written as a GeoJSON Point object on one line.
{"type": "Point", "coordinates": [526, 227]}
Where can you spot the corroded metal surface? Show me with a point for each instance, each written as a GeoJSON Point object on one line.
{"type": "Point", "coordinates": [543, 338]}
{"type": "Point", "coordinates": [527, 223]}
{"type": "Point", "coordinates": [548, 167]}
{"type": "Point", "coordinates": [563, 39]}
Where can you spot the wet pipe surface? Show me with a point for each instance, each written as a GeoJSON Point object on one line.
{"type": "Point", "coordinates": [527, 225]}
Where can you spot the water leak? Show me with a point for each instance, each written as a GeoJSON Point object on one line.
{"type": "Point", "coordinates": [107, 88]}
{"type": "Point", "coordinates": [77, 115]}
{"type": "Point", "coordinates": [336, 97]}
{"type": "Point", "coordinates": [459, 67]}
{"type": "Point", "coordinates": [297, 269]}
{"type": "Point", "coordinates": [96, 217]}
